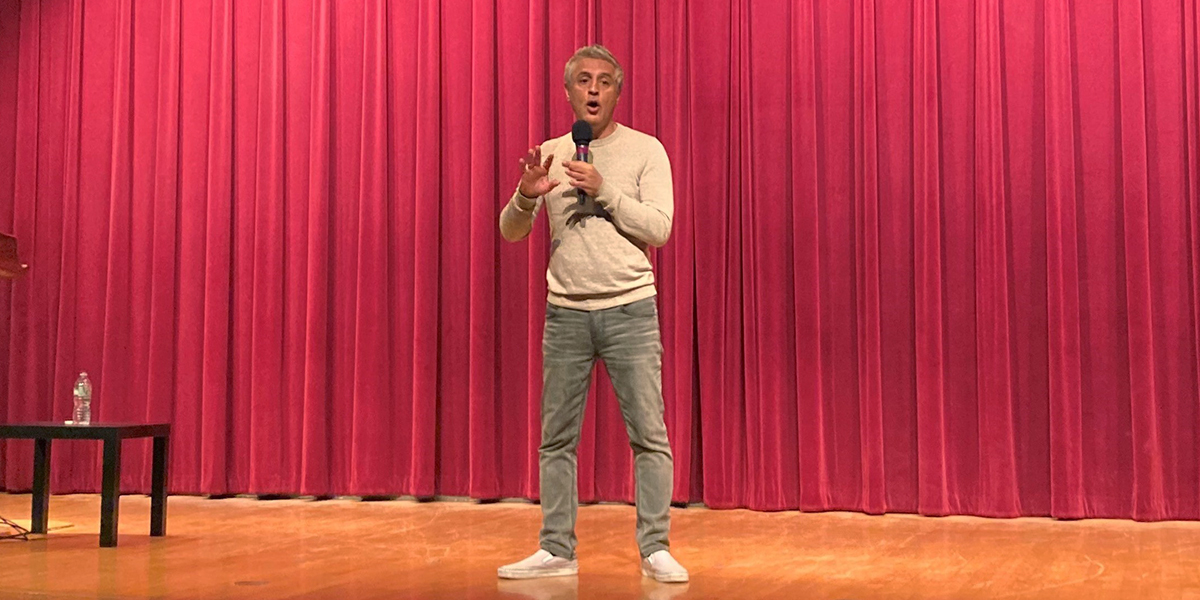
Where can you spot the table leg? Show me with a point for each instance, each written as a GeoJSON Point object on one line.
{"type": "Point", "coordinates": [41, 486]}
{"type": "Point", "coordinates": [158, 493]}
{"type": "Point", "coordinates": [110, 493]}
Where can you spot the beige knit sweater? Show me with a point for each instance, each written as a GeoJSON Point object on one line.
{"type": "Point", "coordinates": [599, 248]}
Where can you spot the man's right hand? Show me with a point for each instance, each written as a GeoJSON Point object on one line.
{"type": "Point", "coordinates": [535, 176]}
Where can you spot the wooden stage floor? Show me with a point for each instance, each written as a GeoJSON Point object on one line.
{"type": "Point", "coordinates": [345, 549]}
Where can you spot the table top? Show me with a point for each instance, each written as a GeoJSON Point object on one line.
{"type": "Point", "coordinates": [94, 431]}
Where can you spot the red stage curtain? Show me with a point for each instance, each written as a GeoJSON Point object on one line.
{"type": "Point", "coordinates": [935, 257]}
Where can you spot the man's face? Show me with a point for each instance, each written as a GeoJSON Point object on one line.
{"type": "Point", "coordinates": [593, 92]}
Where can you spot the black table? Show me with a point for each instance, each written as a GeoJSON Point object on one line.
{"type": "Point", "coordinates": [112, 434]}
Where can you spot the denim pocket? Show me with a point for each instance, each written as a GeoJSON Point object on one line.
{"type": "Point", "coordinates": [642, 308]}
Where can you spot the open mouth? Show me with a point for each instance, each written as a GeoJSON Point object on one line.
{"type": "Point", "coordinates": [593, 107]}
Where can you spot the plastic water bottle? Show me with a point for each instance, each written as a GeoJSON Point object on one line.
{"type": "Point", "coordinates": [83, 400]}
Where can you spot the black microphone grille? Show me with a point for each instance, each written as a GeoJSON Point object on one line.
{"type": "Point", "coordinates": [581, 132]}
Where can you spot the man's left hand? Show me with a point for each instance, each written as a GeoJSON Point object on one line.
{"type": "Point", "coordinates": [584, 176]}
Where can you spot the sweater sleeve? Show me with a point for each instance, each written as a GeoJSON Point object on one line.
{"type": "Point", "coordinates": [649, 219]}
{"type": "Point", "coordinates": [515, 221]}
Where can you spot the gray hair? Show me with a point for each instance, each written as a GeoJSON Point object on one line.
{"type": "Point", "coordinates": [593, 51]}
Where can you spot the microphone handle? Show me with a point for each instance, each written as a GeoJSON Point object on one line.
{"type": "Point", "coordinates": [581, 153]}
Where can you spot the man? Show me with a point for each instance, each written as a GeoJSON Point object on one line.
{"type": "Point", "coordinates": [604, 215]}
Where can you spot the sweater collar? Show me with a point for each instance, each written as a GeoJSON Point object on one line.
{"type": "Point", "coordinates": [602, 142]}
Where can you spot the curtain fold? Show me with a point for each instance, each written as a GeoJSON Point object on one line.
{"type": "Point", "coordinates": [927, 257]}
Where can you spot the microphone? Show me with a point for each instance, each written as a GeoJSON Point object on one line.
{"type": "Point", "coordinates": [581, 134]}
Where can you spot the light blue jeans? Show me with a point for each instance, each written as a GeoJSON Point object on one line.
{"type": "Point", "coordinates": [627, 339]}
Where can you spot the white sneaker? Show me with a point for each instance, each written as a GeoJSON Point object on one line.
{"type": "Point", "coordinates": [540, 564]}
{"type": "Point", "coordinates": [663, 567]}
